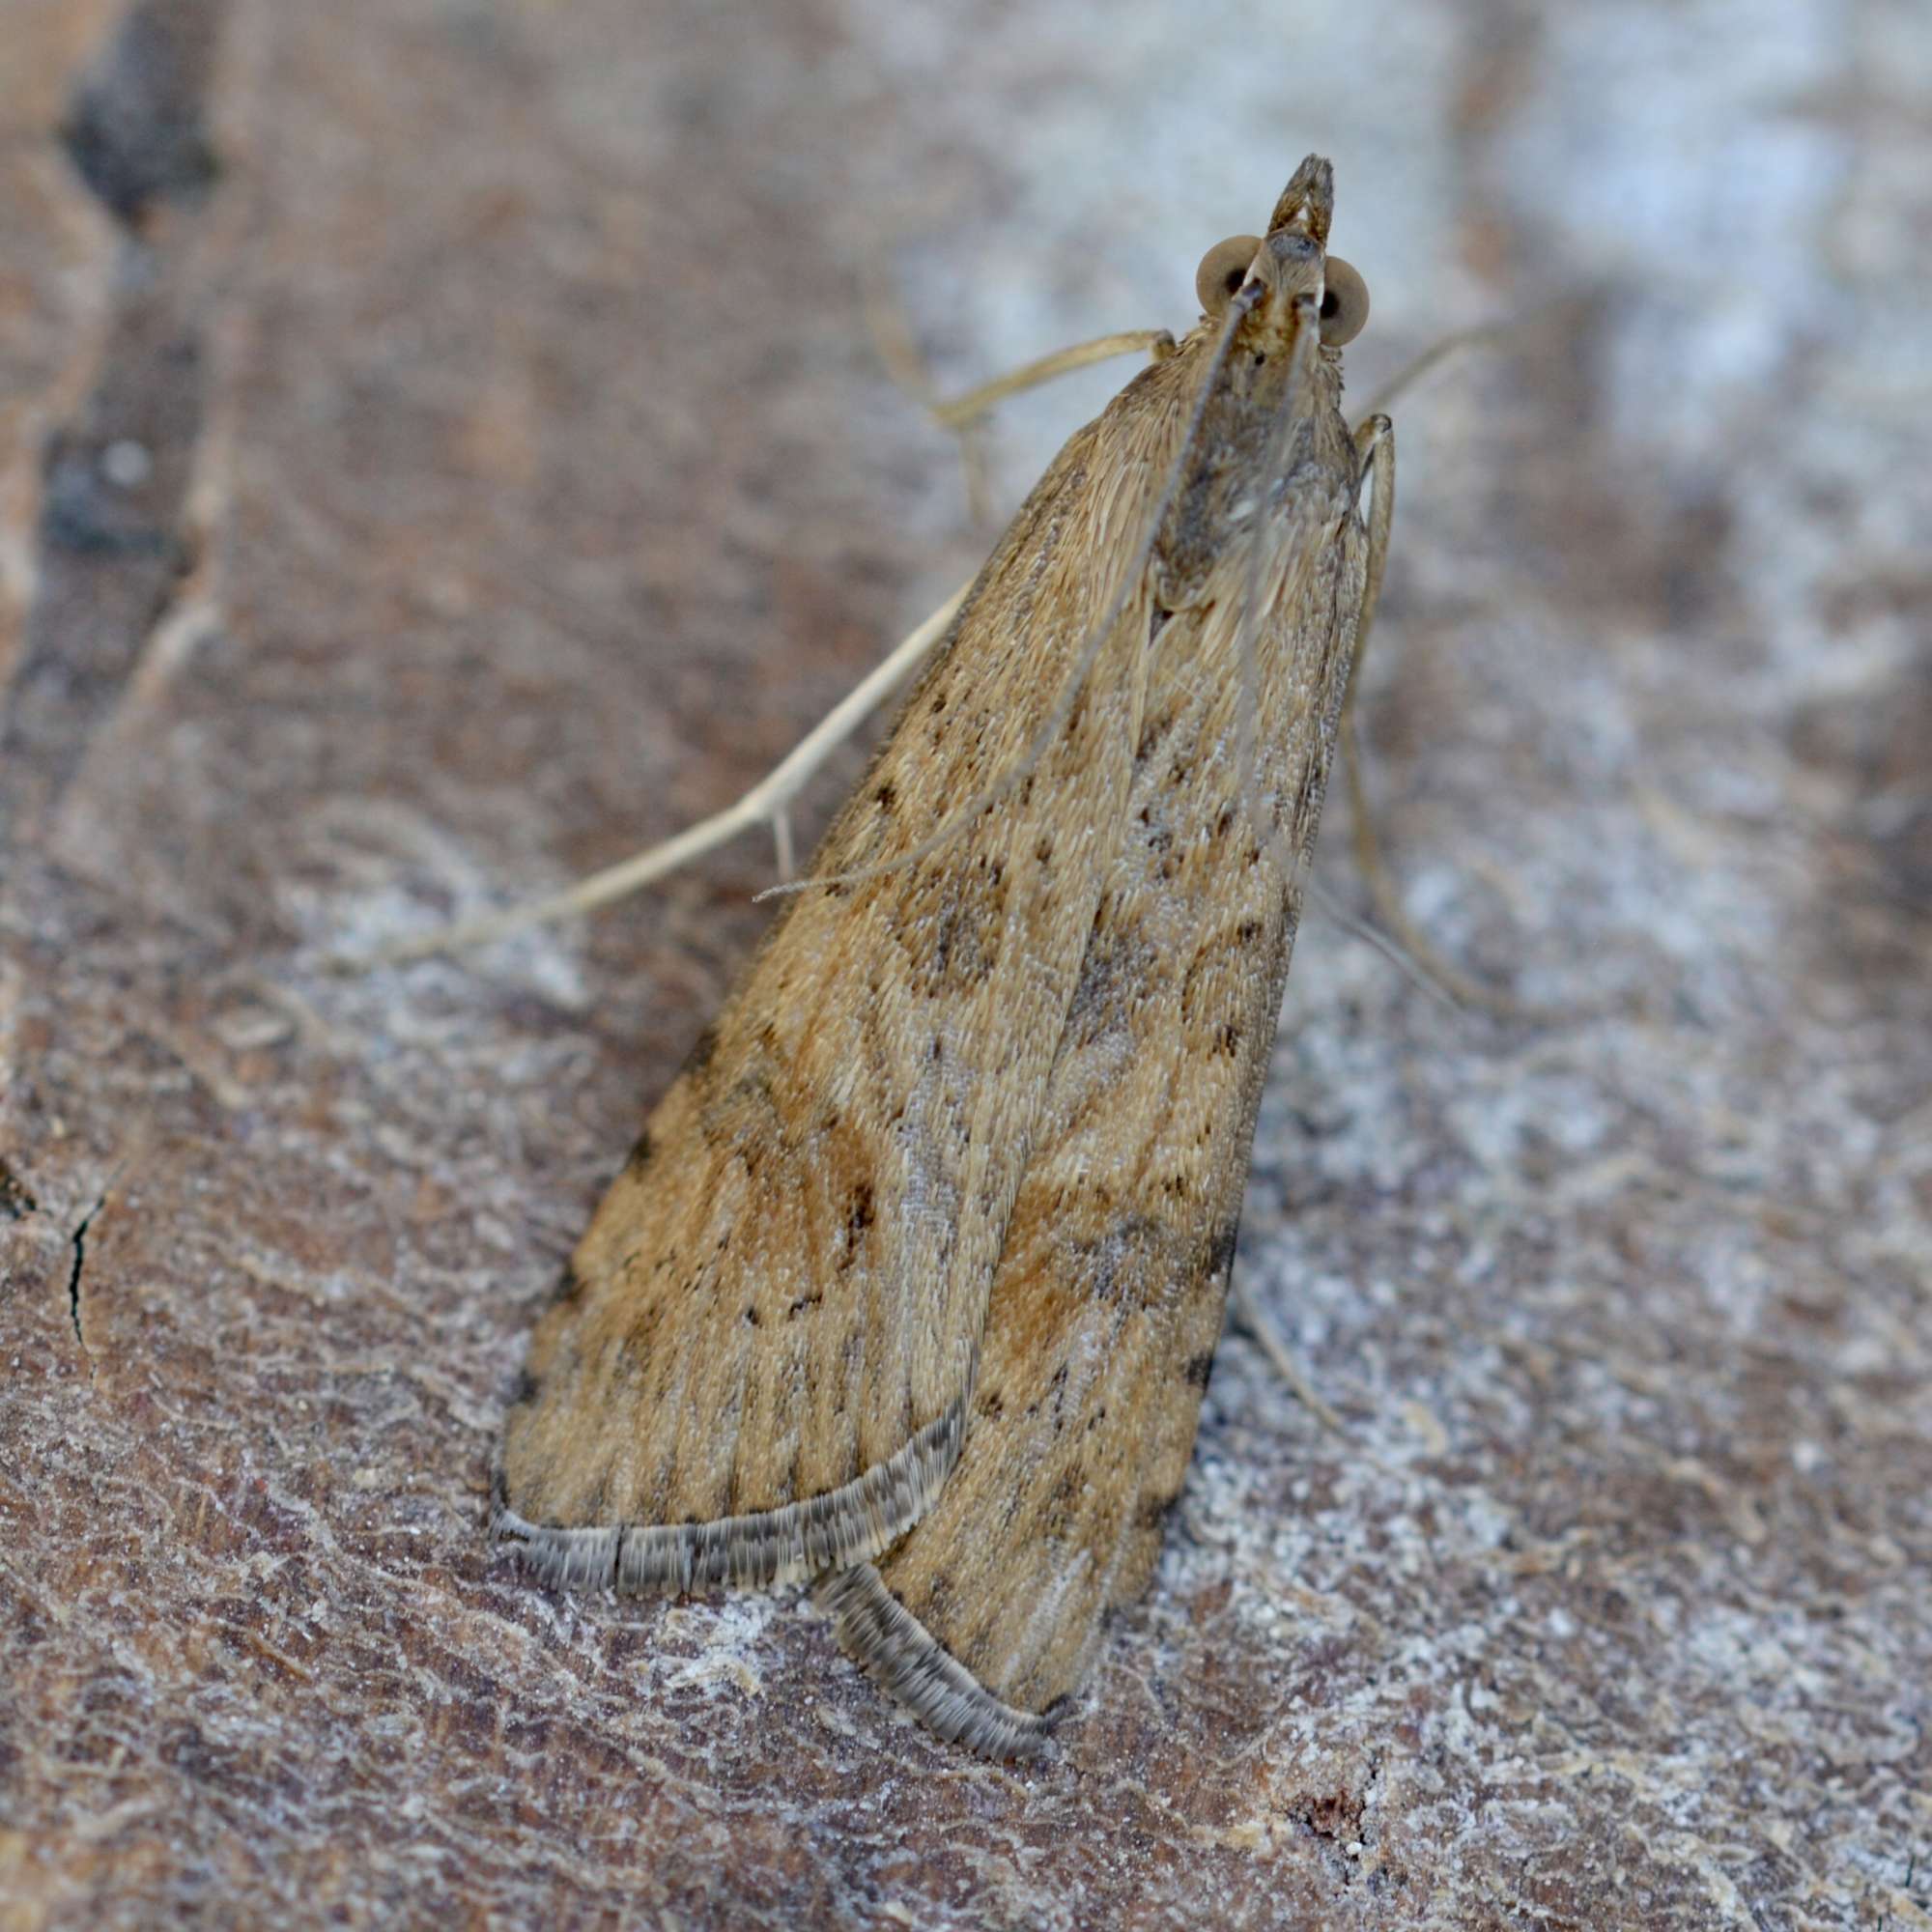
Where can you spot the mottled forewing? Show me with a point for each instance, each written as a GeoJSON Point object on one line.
{"type": "Point", "coordinates": [758, 1364]}
{"type": "Point", "coordinates": [1109, 1297]}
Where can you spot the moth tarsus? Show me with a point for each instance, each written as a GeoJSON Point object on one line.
{"type": "Point", "coordinates": [917, 1289]}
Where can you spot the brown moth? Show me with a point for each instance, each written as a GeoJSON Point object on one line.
{"type": "Point", "coordinates": [914, 1280]}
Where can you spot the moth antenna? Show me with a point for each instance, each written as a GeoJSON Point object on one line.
{"type": "Point", "coordinates": [1055, 721]}
{"type": "Point", "coordinates": [1288, 864]}
{"type": "Point", "coordinates": [964, 416]}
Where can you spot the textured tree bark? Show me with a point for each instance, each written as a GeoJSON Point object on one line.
{"type": "Point", "coordinates": [442, 448]}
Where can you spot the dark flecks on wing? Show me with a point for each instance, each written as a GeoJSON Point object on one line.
{"type": "Point", "coordinates": [858, 1214]}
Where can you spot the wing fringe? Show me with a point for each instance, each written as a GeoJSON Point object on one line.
{"type": "Point", "coordinates": [897, 1652]}
{"type": "Point", "coordinates": [849, 1524]}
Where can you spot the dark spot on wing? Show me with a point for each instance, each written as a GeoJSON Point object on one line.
{"type": "Point", "coordinates": [1113, 971]}
{"type": "Point", "coordinates": [1120, 1259]}
{"type": "Point", "coordinates": [524, 1391]}
{"type": "Point", "coordinates": [1057, 1510]}
{"type": "Point", "coordinates": [639, 1156]}
{"type": "Point", "coordinates": [859, 1214]}
{"type": "Point", "coordinates": [1198, 1368]}
{"type": "Point", "coordinates": [568, 1290]}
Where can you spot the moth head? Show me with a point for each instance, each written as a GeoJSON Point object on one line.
{"type": "Point", "coordinates": [1344, 308]}
{"type": "Point", "coordinates": [1223, 269]}
{"type": "Point", "coordinates": [1292, 260]}
{"type": "Point", "coordinates": [1342, 296]}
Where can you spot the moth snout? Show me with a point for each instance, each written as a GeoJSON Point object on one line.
{"type": "Point", "coordinates": [1308, 201]}
{"type": "Point", "coordinates": [1289, 264]}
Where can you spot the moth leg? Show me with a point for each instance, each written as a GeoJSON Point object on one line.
{"type": "Point", "coordinates": [964, 416]}
{"type": "Point", "coordinates": [767, 803]}
{"type": "Point", "coordinates": [1438, 353]}
{"type": "Point", "coordinates": [893, 337]}
{"type": "Point", "coordinates": [979, 402]}
{"type": "Point", "coordinates": [1375, 440]}
{"type": "Point", "coordinates": [1255, 1319]}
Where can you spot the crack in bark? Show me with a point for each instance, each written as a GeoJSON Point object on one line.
{"type": "Point", "coordinates": [78, 1242]}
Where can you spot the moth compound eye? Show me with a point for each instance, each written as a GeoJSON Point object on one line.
{"type": "Point", "coordinates": [1223, 269]}
{"type": "Point", "coordinates": [1345, 302]}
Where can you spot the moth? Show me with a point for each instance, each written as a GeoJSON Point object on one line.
{"type": "Point", "coordinates": [913, 1281]}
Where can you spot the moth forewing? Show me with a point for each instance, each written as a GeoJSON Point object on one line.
{"type": "Point", "coordinates": [1109, 1297]}
{"type": "Point", "coordinates": [758, 1365]}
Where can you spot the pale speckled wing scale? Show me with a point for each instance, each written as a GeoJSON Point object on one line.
{"type": "Point", "coordinates": [1108, 1299]}
{"type": "Point", "coordinates": [758, 1364]}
